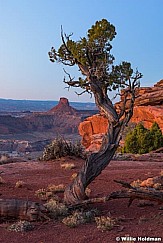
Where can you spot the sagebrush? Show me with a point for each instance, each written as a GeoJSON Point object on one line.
{"type": "Point", "coordinates": [60, 147]}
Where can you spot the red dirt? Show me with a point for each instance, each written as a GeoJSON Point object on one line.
{"type": "Point", "coordinates": [136, 221]}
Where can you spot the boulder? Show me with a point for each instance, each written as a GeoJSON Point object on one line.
{"type": "Point", "coordinates": [91, 126]}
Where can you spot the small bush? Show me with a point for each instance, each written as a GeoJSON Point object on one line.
{"type": "Point", "coordinates": [43, 194]}
{"type": "Point", "coordinates": [61, 148]}
{"type": "Point", "coordinates": [56, 189]}
{"type": "Point", "coordinates": [105, 223]}
{"type": "Point", "coordinates": [21, 226]}
{"type": "Point", "coordinates": [80, 217]}
{"type": "Point", "coordinates": [56, 208]}
{"type": "Point", "coordinates": [49, 192]}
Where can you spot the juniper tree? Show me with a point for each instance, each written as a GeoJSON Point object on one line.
{"type": "Point", "coordinates": [141, 140]}
{"type": "Point", "coordinates": [157, 137]}
{"type": "Point", "coordinates": [138, 141]}
{"type": "Point", "coordinates": [99, 75]}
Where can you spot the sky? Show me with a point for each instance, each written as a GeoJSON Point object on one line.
{"type": "Point", "coordinates": [29, 28]}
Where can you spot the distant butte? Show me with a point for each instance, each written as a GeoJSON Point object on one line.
{"type": "Point", "coordinates": [63, 106]}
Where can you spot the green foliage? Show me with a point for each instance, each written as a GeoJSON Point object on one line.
{"type": "Point", "coordinates": [157, 136]}
{"type": "Point", "coordinates": [96, 45]}
{"type": "Point", "coordinates": [60, 148]}
{"type": "Point", "coordinates": [93, 56]}
{"type": "Point", "coordinates": [142, 140]}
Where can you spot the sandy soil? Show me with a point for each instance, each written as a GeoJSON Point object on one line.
{"type": "Point", "coordinates": [135, 221]}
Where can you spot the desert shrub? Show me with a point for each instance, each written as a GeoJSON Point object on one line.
{"type": "Point", "coordinates": [80, 217]}
{"type": "Point", "coordinates": [56, 188]}
{"type": "Point", "coordinates": [56, 208]}
{"type": "Point", "coordinates": [50, 192]}
{"type": "Point", "coordinates": [142, 140]}
{"type": "Point", "coordinates": [60, 148]}
{"type": "Point", "coordinates": [21, 226]}
{"type": "Point", "coordinates": [43, 194]}
{"type": "Point", "coordinates": [105, 223]}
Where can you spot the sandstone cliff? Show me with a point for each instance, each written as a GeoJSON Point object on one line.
{"type": "Point", "coordinates": [92, 130]}
{"type": "Point", "coordinates": [148, 109]}
{"type": "Point", "coordinates": [152, 96]}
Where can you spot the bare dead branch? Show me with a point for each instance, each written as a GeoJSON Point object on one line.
{"type": "Point", "coordinates": [83, 92]}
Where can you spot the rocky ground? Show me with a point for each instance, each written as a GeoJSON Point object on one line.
{"type": "Point", "coordinates": [139, 220]}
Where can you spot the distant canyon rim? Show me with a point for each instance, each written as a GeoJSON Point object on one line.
{"type": "Point", "coordinates": [67, 121]}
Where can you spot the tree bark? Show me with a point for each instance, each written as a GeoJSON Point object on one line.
{"type": "Point", "coordinates": [96, 162]}
{"type": "Point", "coordinates": [24, 210]}
{"type": "Point", "coordinates": [92, 167]}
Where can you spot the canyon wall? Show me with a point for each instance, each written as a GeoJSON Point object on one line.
{"type": "Point", "coordinates": [62, 119]}
{"type": "Point", "coordinates": [148, 109]}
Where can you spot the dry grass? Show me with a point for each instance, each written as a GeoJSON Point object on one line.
{"type": "Point", "coordinates": [19, 184]}
{"type": "Point", "coordinates": [56, 208]}
{"type": "Point", "coordinates": [136, 183]}
{"type": "Point", "coordinates": [55, 189]}
{"type": "Point", "coordinates": [73, 176]}
{"type": "Point", "coordinates": [105, 223]}
{"type": "Point", "coordinates": [157, 186]}
{"type": "Point", "coordinates": [68, 166]}
{"type": "Point", "coordinates": [43, 194]}
{"type": "Point", "coordinates": [21, 226]}
{"type": "Point", "coordinates": [4, 159]}
{"type": "Point", "coordinates": [80, 217]}
{"type": "Point", "coordinates": [49, 192]}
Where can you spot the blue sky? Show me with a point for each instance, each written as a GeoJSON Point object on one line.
{"type": "Point", "coordinates": [28, 29]}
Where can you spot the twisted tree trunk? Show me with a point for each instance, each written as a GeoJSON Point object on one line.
{"type": "Point", "coordinates": [92, 167]}
{"type": "Point", "coordinates": [96, 162]}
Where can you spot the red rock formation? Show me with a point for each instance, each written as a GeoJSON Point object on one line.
{"type": "Point", "coordinates": [148, 115]}
{"type": "Point", "coordinates": [92, 130]}
{"type": "Point", "coordinates": [148, 109]}
{"type": "Point", "coordinates": [63, 106]}
{"type": "Point", "coordinates": [150, 95]}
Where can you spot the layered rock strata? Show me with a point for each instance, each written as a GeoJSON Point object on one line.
{"type": "Point", "coordinates": [148, 109]}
